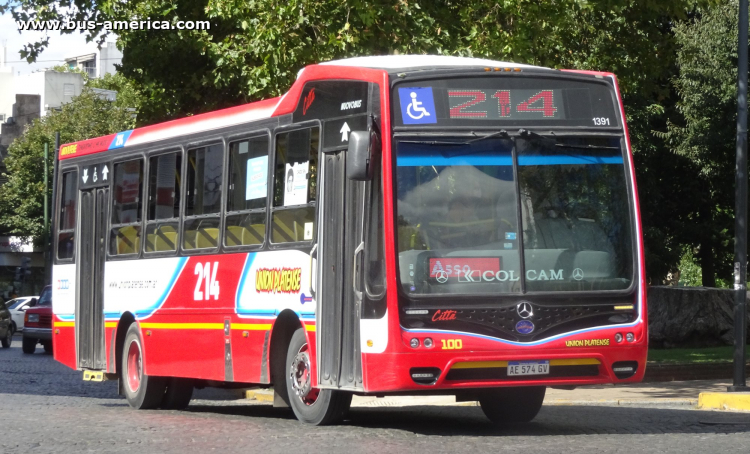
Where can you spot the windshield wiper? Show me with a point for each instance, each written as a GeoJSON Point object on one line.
{"type": "Point", "coordinates": [532, 136]}
{"type": "Point", "coordinates": [502, 133]}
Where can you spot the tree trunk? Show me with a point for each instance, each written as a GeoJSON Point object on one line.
{"type": "Point", "coordinates": [707, 259]}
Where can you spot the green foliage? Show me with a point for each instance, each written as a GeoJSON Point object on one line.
{"type": "Point", "coordinates": [690, 271]}
{"type": "Point", "coordinates": [703, 131]}
{"type": "Point", "coordinates": [22, 197]}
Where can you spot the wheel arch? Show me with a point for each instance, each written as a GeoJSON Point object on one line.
{"type": "Point", "coordinates": [126, 320]}
{"type": "Point", "coordinates": [283, 329]}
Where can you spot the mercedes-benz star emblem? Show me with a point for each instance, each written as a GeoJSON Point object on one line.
{"type": "Point", "coordinates": [441, 277]}
{"type": "Point", "coordinates": [577, 274]}
{"type": "Point", "coordinates": [525, 310]}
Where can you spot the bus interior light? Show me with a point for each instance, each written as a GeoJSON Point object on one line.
{"type": "Point", "coordinates": [414, 342]}
{"type": "Point", "coordinates": [618, 338]}
{"type": "Point", "coordinates": [630, 337]}
{"type": "Point", "coordinates": [428, 343]}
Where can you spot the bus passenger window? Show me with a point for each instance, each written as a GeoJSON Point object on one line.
{"type": "Point", "coordinates": [247, 192]}
{"type": "Point", "coordinates": [127, 203]}
{"type": "Point", "coordinates": [203, 197]}
{"type": "Point", "coordinates": [66, 233]}
{"type": "Point", "coordinates": [163, 203]}
{"type": "Point", "coordinates": [295, 186]}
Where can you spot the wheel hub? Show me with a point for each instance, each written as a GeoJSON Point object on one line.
{"type": "Point", "coordinates": [135, 365]}
{"type": "Point", "coordinates": [300, 374]}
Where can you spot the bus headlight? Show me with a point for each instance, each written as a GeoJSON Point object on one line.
{"type": "Point", "coordinates": [630, 337]}
{"type": "Point", "coordinates": [414, 342]}
{"type": "Point", "coordinates": [618, 338]}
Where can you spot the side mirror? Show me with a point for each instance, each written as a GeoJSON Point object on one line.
{"type": "Point", "coordinates": [363, 148]}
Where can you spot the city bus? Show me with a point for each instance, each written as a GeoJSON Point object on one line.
{"type": "Point", "coordinates": [408, 225]}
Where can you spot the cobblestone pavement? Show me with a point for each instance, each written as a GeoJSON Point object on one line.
{"type": "Point", "coordinates": [47, 408]}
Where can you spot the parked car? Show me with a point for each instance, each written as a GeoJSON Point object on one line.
{"type": "Point", "coordinates": [38, 324]}
{"type": "Point", "coordinates": [6, 327]}
{"type": "Point", "coordinates": [17, 308]}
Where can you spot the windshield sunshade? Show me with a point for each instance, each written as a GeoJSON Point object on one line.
{"type": "Point", "coordinates": [458, 209]}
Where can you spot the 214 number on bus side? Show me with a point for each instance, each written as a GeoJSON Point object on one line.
{"type": "Point", "coordinates": [206, 284]}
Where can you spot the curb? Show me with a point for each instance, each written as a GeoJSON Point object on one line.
{"type": "Point", "coordinates": [724, 401]}
{"type": "Point", "coordinates": [261, 395]}
{"type": "Point", "coordinates": [266, 395]}
{"type": "Point", "coordinates": [624, 402]}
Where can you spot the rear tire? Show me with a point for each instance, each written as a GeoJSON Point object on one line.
{"type": "Point", "coordinates": [28, 345]}
{"type": "Point", "coordinates": [8, 339]}
{"type": "Point", "coordinates": [311, 405]}
{"type": "Point", "coordinates": [512, 405]}
{"type": "Point", "coordinates": [178, 394]}
{"type": "Point", "coordinates": [47, 347]}
{"type": "Point", "coordinates": [141, 391]}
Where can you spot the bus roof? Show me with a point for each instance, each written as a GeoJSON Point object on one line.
{"type": "Point", "coordinates": [411, 62]}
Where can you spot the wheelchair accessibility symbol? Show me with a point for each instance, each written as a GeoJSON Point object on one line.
{"type": "Point", "coordinates": [417, 105]}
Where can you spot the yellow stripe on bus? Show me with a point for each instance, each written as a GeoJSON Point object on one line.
{"type": "Point", "coordinates": [64, 324]}
{"type": "Point", "coordinates": [110, 324]}
{"type": "Point", "coordinates": [310, 328]}
{"type": "Point", "coordinates": [552, 362]}
{"type": "Point", "coordinates": [183, 325]}
{"type": "Point", "coordinates": [252, 326]}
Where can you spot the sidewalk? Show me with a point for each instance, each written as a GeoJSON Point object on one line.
{"type": "Point", "coordinates": [675, 393]}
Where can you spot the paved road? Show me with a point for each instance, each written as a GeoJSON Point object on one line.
{"type": "Point", "coordinates": [46, 408]}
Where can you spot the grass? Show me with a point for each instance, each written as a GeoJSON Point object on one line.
{"type": "Point", "coordinates": [693, 355]}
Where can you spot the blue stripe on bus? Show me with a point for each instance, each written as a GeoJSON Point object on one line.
{"type": "Point", "coordinates": [147, 312]}
{"type": "Point", "coordinates": [241, 287]}
{"type": "Point", "coordinates": [440, 160]}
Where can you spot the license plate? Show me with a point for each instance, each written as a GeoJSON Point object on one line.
{"type": "Point", "coordinates": [528, 368]}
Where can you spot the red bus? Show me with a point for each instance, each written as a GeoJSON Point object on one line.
{"type": "Point", "coordinates": [395, 224]}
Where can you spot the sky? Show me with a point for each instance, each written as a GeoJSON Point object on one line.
{"type": "Point", "coordinates": [61, 46]}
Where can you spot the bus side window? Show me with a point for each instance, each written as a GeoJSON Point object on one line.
{"type": "Point", "coordinates": [203, 197]}
{"type": "Point", "coordinates": [127, 204]}
{"type": "Point", "coordinates": [162, 220]}
{"type": "Point", "coordinates": [247, 193]}
{"type": "Point", "coordinates": [66, 232]}
{"type": "Point", "coordinates": [295, 186]}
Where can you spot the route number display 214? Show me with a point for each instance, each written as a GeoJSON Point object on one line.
{"type": "Point", "coordinates": [206, 284]}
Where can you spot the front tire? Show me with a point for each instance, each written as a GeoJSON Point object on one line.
{"type": "Point", "coordinates": [141, 391]}
{"type": "Point", "coordinates": [512, 405]}
{"type": "Point", "coordinates": [178, 394]}
{"type": "Point", "coordinates": [47, 347]}
{"type": "Point", "coordinates": [28, 345]}
{"type": "Point", "coordinates": [8, 339]}
{"type": "Point", "coordinates": [311, 405]}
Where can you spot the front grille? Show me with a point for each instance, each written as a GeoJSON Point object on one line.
{"type": "Point", "coordinates": [549, 320]}
{"type": "Point", "coordinates": [45, 320]}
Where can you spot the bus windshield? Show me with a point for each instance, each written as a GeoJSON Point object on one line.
{"type": "Point", "coordinates": [513, 214]}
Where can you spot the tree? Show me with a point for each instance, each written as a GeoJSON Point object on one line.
{"type": "Point", "coordinates": [705, 129]}
{"type": "Point", "coordinates": [254, 49]}
{"type": "Point", "coordinates": [88, 115]}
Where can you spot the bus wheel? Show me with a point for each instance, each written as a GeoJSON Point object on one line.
{"type": "Point", "coordinates": [178, 395]}
{"type": "Point", "coordinates": [141, 391]}
{"type": "Point", "coordinates": [511, 405]}
{"type": "Point", "coordinates": [311, 405]}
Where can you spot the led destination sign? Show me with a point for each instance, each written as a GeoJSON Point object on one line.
{"type": "Point", "coordinates": [506, 101]}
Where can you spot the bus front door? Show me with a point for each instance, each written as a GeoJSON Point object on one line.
{"type": "Point", "coordinates": [90, 304]}
{"type": "Point", "coordinates": [340, 245]}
